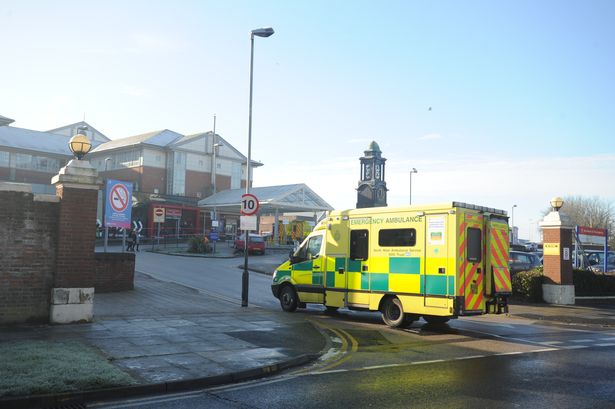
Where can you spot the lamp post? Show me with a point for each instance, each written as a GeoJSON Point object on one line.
{"type": "Point", "coordinates": [512, 224]}
{"type": "Point", "coordinates": [245, 278]}
{"type": "Point", "coordinates": [106, 239]}
{"type": "Point", "coordinates": [411, 172]}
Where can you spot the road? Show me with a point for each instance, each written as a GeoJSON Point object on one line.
{"type": "Point", "coordinates": [473, 362]}
{"type": "Point", "coordinates": [556, 379]}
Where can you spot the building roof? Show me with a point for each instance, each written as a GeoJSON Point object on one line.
{"type": "Point", "coordinates": [62, 130]}
{"type": "Point", "coordinates": [161, 139]}
{"type": "Point", "coordinates": [285, 198]}
{"type": "Point", "coordinates": [5, 121]}
{"type": "Point", "coordinates": [27, 139]}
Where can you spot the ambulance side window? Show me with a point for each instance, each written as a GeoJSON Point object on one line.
{"type": "Point", "coordinates": [359, 244]}
{"type": "Point", "coordinates": [397, 238]}
{"type": "Point", "coordinates": [474, 245]}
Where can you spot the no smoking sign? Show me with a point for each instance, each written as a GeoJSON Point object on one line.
{"type": "Point", "coordinates": [119, 197]}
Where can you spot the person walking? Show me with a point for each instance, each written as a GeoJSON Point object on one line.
{"type": "Point", "coordinates": [130, 241]}
{"type": "Point", "coordinates": [137, 239]}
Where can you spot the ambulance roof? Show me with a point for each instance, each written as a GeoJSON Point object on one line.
{"type": "Point", "coordinates": [418, 208]}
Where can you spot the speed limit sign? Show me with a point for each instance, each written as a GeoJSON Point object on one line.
{"type": "Point", "coordinates": [249, 204]}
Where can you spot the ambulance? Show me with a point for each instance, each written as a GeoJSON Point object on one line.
{"type": "Point", "coordinates": [437, 261]}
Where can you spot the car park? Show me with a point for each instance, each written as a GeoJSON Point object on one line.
{"type": "Point", "coordinates": [256, 244]}
{"type": "Point", "coordinates": [522, 261]}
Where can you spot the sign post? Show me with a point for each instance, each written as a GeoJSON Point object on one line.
{"type": "Point", "coordinates": [118, 205]}
{"type": "Point", "coordinates": [159, 216]}
{"type": "Point", "coordinates": [249, 208]}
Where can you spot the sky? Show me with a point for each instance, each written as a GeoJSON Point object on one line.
{"type": "Point", "coordinates": [495, 103]}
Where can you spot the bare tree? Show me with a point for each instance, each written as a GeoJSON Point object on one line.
{"type": "Point", "coordinates": [590, 212]}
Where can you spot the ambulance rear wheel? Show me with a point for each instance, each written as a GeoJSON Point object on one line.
{"type": "Point", "coordinates": [393, 313]}
{"type": "Point", "coordinates": [288, 298]}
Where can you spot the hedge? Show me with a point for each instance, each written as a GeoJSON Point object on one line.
{"type": "Point", "coordinates": [528, 284]}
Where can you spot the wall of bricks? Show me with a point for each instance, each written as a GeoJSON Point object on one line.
{"type": "Point", "coordinates": [556, 269]}
{"type": "Point", "coordinates": [28, 243]}
{"type": "Point", "coordinates": [114, 272]}
{"type": "Point", "coordinates": [35, 257]}
{"type": "Point", "coordinates": [76, 238]}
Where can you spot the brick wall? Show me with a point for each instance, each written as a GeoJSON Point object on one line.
{"type": "Point", "coordinates": [29, 225]}
{"type": "Point", "coordinates": [76, 238]}
{"type": "Point", "coordinates": [556, 269]}
{"type": "Point", "coordinates": [114, 272]}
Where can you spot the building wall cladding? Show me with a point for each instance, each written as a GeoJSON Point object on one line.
{"type": "Point", "coordinates": [27, 256]}
{"type": "Point", "coordinates": [114, 272]}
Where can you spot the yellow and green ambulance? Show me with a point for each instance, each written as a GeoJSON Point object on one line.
{"type": "Point", "coordinates": [436, 261]}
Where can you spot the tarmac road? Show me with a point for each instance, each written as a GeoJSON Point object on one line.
{"type": "Point", "coordinates": [555, 379]}
{"type": "Point", "coordinates": [219, 277]}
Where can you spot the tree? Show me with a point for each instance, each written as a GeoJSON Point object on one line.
{"type": "Point", "coordinates": [590, 212]}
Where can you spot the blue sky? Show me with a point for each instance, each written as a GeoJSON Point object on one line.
{"type": "Point", "coordinates": [521, 92]}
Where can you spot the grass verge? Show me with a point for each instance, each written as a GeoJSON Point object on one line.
{"type": "Point", "coordinates": [40, 367]}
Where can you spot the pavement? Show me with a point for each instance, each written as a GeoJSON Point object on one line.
{"type": "Point", "coordinates": [170, 337]}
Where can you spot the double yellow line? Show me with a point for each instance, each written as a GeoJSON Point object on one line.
{"type": "Point", "coordinates": [349, 346]}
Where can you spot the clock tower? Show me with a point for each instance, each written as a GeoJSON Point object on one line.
{"type": "Point", "coordinates": [372, 190]}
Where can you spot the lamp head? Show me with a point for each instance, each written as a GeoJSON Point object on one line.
{"type": "Point", "coordinates": [414, 170]}
{"type": "Point", "coordinates": [263, 32]}
{"type": "Point", "coordinates": [79, 145]}
{"type": "Point", "coordinates": [557, 203]}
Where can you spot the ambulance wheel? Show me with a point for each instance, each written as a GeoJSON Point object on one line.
{"type": "Point", "coordinates": [331, 310]}
{"type": "Point", "coordinates": [436, 320]}
{"type": "Point", "coordinates": [393, 313]}
{"type": "Point", "coordinates": [288, 298]}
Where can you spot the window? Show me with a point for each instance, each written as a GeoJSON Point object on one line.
{"type": "Point", "coordinates": [397, 237]}
{"type": "Point", "coordinates": [474, 245]}
{"type": "Point", "coordinates": [4, 159]}
{"type": "Point", "coordinates": [310, 250]}
{"type": "Point", "coordinates": [359, 244]}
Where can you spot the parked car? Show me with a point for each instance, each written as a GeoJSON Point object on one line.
{"type": "Point", "coordinates": [521, 261]}
{"type": "Point", "coordinates": [256, 244]}
{"type": "Point", "coordinates": [596, 261]}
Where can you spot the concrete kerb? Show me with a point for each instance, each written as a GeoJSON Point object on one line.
{"type": "Point", "coordinates": [63, 399]}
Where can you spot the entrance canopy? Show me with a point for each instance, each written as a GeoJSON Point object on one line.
{"type": "Point", "coordinates": [282, 199]}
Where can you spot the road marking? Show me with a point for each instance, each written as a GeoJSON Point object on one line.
{"type": "Point", "coordinates": [608, 344]}
{"type": "Point", "coordinates": [575, 346]}
{"type": "Point", "coordinates": [582, 340]}
{"type": "Point", "coordinates": [553, 342]}
{"type": "Point", "coordinates": [608, 339]}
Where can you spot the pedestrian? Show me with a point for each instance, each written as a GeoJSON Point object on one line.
{"type": "Point", "coordinates": [137, 239]}
{"type": "Point", "coordinates": [130, 242]}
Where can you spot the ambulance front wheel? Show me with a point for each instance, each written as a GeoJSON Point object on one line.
{"type": "Point", "coordinates": [393, 313]}
{"type": "Point", "coordinates": [288, 298]}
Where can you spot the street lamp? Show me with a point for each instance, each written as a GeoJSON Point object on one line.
{"type": "Point", "coordinates": [106, 239]}
{"type": "Point", "coordinates": [245, 278]}
{"type": "Point", "coordinates": [411, 172]}
{"type": "Point", "coordinates": [512, 224]}
{"type": "Point", "coordinates": [557, 203]}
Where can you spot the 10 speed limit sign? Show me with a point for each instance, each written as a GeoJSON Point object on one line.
{"type": "Point", "coordinates": [249, 204]}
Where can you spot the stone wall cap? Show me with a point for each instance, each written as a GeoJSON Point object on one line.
{"type": "Point", "coordinates": [556, 219]}
{"type": "Point", "coordinates": [46, 198]}
{"type": "Point", "coordinates": [15, 187]}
